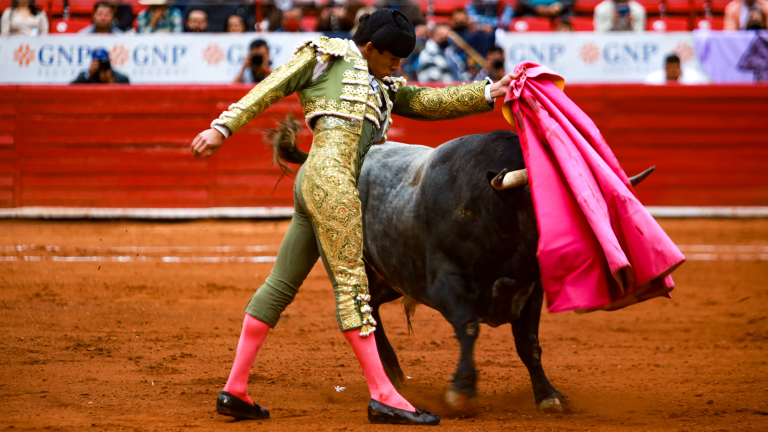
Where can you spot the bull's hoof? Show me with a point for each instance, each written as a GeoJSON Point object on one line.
{"type": "Point", "coordinates": [554, 405]}
{"type": "Point", "coordinates": [460, 401]}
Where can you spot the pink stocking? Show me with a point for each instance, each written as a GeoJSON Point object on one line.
{"type": "Point", "coordinates": [378, 384]}
{"type": "Point", "coordinates": [253, 335]}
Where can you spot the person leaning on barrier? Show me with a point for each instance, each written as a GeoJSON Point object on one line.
{"type": "Point", "coordinates": [100, 71]}
{"type": "Point", "coordinates": [745, 15]}
{"type": "Point", "coordinates": [255, 64]}
{"type": "Point", "coordinates": [103, 20]}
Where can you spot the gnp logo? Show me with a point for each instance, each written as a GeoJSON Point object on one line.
{"type": "Point", "coordinates": [615, 53]}
{"type": "Point", "coordinates": [589, 53]}
{"type": "Point", "coordinates": [213, 54]}
{"type": "Point", "coordinates": [544, 53]}
{"type": "Point", "coordinates": [158, 55]}
{"type": "Point", "coordinates": [24, 55]}
{"type": "Point", "coordinates": [119, 55]}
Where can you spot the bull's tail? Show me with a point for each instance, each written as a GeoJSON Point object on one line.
{"type": "Point", "coordinates": [283, 143]}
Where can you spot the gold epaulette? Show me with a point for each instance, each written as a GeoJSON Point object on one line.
{"type": "Point", "coordinates": [324, 45]}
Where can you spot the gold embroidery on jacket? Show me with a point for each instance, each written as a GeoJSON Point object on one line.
{"type": "Point", "coordinates": [450, 102]}
{"type": "Point", "coordinates": [331, 196]}
{"type": "Point", "coordinates": [267, 92]}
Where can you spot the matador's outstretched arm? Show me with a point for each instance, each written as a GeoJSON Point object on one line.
{"type": "Point", "coordinates": [286, 79]}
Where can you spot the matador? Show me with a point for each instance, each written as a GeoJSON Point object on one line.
{"type": "Point", "coordinates": [348, 96]}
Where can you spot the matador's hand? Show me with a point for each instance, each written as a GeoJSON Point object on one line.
{"type": "Point", "coordinates": [206, 142]}
{"type": "Point", "coordinates": [500, 87]}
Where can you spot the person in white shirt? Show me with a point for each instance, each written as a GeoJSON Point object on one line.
{"type": "Point", "coordinates": [673, 73]}
{"type": "Point", "coordinates": [619, 15]}
{"type": "Point", "coordinates": [23, 18]}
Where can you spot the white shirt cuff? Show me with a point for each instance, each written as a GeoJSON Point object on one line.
{"type": "Point", "coordinates": [488, 91]}
{"type": "Point", "coordinates": [224, 131]}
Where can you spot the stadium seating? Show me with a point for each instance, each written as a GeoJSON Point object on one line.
{"type": "Point", "coordinates": [530, 24]}
{"type": "Point", "coordinates": [583, 23]}
{"type": "Point", "coordinates": [68, 26]}
{"type": "Point", "coordinates": [668, 25]}
{"type": "Point", "coordinates": [714, 23]}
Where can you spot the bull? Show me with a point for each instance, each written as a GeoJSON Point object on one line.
{"type": "Point", "coordinates": [452, 228]}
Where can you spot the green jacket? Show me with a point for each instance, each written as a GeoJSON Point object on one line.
{"type": "Point", "coordinates": [344, 90]}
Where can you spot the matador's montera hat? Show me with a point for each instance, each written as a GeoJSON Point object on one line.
{"type": "Point", "coordinates": [388, 30]}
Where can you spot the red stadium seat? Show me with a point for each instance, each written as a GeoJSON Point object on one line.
{"type": "Point", "coordinates": [69, 26]}
{"type": "Point", "coordinates": [714, 23]}
{"type": "Point", "coordinates": [651, 6]}
{"type": "Point", "coordinates": [586, 6]}
{"type": "Point", "coordinates": [678, 6]}
{"type": "Point", "coordinates": [309, 23]}
{"type": "Point", "coordinates": [668, 25]}
{"type": "Point", "coordinates": [583, 23]}
{"type": "Point", "coordinates": [530, 24]}
{"type": "Point", "coordinates": [718, 6]}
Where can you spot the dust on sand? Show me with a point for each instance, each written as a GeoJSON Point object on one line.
{"type": "Point", "coordinates": [147, 345]}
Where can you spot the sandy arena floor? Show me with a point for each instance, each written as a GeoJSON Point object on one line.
{"type": "Point", "coordinates": [132, 326]}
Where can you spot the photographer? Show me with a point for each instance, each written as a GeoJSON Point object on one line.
{"type": "Point", "coordinates": [255, 64]}
{"type": "Point", "coordinates": [494, 65]}
{"type": "Point", "coordinates": [101, 71]}
{"type": "Point", "coordinates": [619, 15]}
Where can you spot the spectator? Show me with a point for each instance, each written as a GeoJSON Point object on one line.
{"type": "Point", "coordinates": [739, 14]}
{"type": "Point", "coordinates": [438, 61]}
{"type": "Point", "coordinates": [101, 71]}
{"type": "Point", "coordinates": [756, 20]}
{"type": "Point", "coordinates": [291, 21]}
{"type": "Point", "coordinates": [235, 24]}
{"type": "Point", "coordinates": [409, 8]}
{"type": "Point", "coordinates": [494, 65]}
{"type": "Point", "coordinates": [409, 64]}
{"type": "Point", "coordinates": [219, 11]}
{"type": "Point", "coordinates": [360, 12]}
{"type": "Point", "coordinates": [460, 22]}
{"type": "Point", "coordinates": [103, 20]}
{"type": "Point", "coordinates": [197, 21]}
{"type": "Point", "coordinates": [23, 18]}
{"type": "Point", "coordinates": [485, 14]}
{"type": "Point", "coordinates": [123, 15]}
{"type": "Point", "coordinates": [673, 73]}
{"type": "Point", "coordinates": [338, 16]}
{"type": "Point", "coordinates": [255, 64]}
{"type": "Point", "coordinates": [158, 18]}
{"type": "Point", "coordinates": [545, 8]}
{"type": "Point", "coordinates": [619, 15]}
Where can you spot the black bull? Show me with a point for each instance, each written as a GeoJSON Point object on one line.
{"type": "Point", "coordinates": [437, 233]}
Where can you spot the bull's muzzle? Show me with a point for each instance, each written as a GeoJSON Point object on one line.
{"type": "Point", "coordinates": [507, 180]}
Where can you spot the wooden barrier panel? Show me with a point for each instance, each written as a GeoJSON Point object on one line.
{"type": "Point", "coordinates": [128, 146]}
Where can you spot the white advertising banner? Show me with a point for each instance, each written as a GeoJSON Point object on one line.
{"type": "Point", "coordinates": [216, 58]}
{"type": "Point", "coordinates": [587, 57]}
{"type": "Point", "coordinates": [153, 59]}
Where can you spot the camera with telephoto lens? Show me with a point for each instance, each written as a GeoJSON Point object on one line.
{"type": "Point", "coordinates": [257, 60]}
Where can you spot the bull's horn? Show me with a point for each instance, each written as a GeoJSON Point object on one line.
{"type": "Point", "coordinates": [640, 177]}
{"type": "Point", "coordinates": [510, 180]}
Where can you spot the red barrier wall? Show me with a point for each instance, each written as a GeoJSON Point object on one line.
{"type": "Point", "coordinates": [96, 146]}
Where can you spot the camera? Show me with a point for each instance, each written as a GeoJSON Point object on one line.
{"type": "Point", "coordinates": [104, 65]}
{"type": "Point", "coordinates": [497, 64]}
{"type": "Point", "coordinates": [257, 60]}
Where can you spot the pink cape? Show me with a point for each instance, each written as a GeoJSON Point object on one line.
{"type": "Point", "coordinates": [599, 248]}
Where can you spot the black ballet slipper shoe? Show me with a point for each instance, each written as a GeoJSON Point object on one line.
{"type": "Point", "coordinates": [385, 414]}
{"type": "Point", "coordinates": [230, 405]}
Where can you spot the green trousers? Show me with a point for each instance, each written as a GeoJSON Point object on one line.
{"type": "Point", "coordinates": [327, 224]}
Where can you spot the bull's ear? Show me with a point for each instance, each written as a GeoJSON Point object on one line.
{"type": "Point", "coordinates": [519, 300]}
